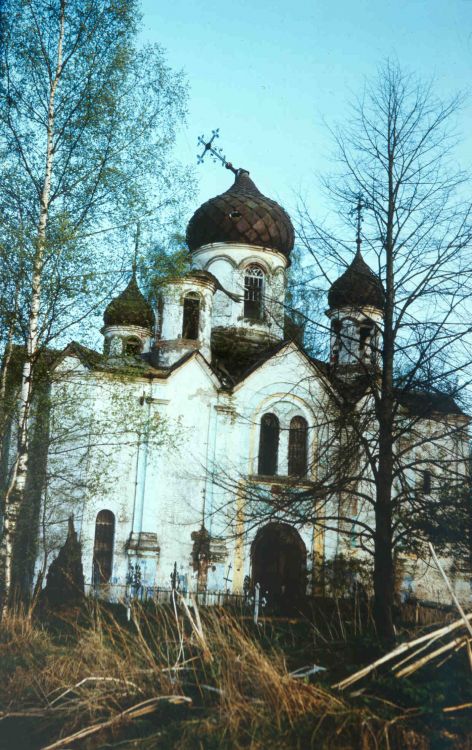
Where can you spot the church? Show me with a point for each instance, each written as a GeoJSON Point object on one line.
{"type": "Point", "coordinates": [203, 406]}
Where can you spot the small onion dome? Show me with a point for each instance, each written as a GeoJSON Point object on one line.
{"type": "Point", "coordinates": [130, 308]}
{"type": "Point", "coordinates": [358, 286]}
{"type": "Point", "coordinates": [241, 215]}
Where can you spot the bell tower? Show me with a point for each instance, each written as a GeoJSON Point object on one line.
{"type": "Point", "coordinates": [356, 309]}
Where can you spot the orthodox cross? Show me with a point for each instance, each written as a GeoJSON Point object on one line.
{"type": "Point", "coordinates": [216, 153]}
{"type": "Point", "coordinates": [358, 210]}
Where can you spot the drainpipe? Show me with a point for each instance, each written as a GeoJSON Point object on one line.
{"type": "Point", "coordinates": [142, 452]}
{"type": "Point", "coordinates": [210, 462]}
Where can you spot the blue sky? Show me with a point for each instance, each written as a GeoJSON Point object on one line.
{"type": "Point", "coordinates": [271, 75]}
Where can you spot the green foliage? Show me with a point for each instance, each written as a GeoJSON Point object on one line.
{"type": "Point", "coordinates": [345, 576]}
{"type": "Point", "coordinates": [117, 107]}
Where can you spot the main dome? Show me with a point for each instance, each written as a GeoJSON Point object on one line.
{"type": "Point", "coordinates": [241, 215]}
{"type": "Point", "coordinates": [358, 286]}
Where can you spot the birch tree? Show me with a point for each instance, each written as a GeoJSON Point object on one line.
{"type": "Point", "coordinates": [87, 121]}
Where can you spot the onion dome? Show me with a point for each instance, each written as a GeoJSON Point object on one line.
{"type": "Point", "coordinates": [358, 286]}
{"type": "Point", "coordinates": [130, 308]}
{"type": "Point", "coordinates": [241, 215]}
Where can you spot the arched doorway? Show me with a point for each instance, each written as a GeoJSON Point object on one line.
{"type": "Point", "coordinates": [279, 565]}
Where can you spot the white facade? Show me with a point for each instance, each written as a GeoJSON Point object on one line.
{"type": "Point", "coordinates": [167, 446]}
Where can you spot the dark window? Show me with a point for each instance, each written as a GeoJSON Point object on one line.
{"type": "Point", "coordinates": [297, 447]}
{"type": "Point", "coordinates": [191, 316]}
{"type": "Point", "coordinates": [133, 347]}
{"type": "Point", "coordinates": [253, 292]}
{"type": "Point", "coordinates": [268, 445]}
{"type": "Point", "coordinates": [103, 546]}
{"type": "Point", "coordinates": [427, 482]}
{"type": "Point", "coordinates": [336, 326]}
{"type": "Point", "coordinates": [365, 333]}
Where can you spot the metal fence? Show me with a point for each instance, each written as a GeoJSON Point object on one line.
{"type": "Point", "coordinates": [113, 592]}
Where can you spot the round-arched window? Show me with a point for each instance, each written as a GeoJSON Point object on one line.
{"type": "Point", "coordinates": [268, 445]}
{"type": "Point", "coordinates": [191, 316]}
{"type": "Point", "coordinates": [297, 447]}
{"type": "Point", "coordinates": [103, 546]}
{"type": "Point", "coordinates": [253, 292]}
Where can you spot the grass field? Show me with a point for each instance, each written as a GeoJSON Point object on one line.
{"type": "Point", "coordinates": [174, 677]}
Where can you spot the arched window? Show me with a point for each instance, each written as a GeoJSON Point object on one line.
{"type": "Point", "coordinates": [297, 447]}
{"type": "Point", "coordinates": [268, 445]}
{"type": "Point", "coordinates": [253, 292]}
{"type": "Point", "coordinates": [103, 546]}
{"type": "Point", "coordinates": [191, 317]}
{"type": "Point", "coordinates": [133, 347]}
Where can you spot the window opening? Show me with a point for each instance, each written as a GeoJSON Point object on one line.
{"type": "Point", "coordinates": [336, 327]}
{"type": "Point", "coordinates": [268, 445]}
{"type": "Point", "coordinates": [253, 292]}
{"type": "Point", "coordinates": [365, 333]}
{"type": "Point", "coordinates": [191, 319]}
{"type": "Point", "coordinates": [103, 546]}
{"type": "Point", "coordinates": [297, 447]}
{"type": "Point", "coordinates": [133, 347]}
{"type": "Point", "coordinates": [427, 483]}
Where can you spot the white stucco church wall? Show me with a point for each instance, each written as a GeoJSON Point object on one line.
{"type": "Point", "coordinates": [165, 425]}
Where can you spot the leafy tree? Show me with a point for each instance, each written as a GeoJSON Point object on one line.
{"type": "Point", "coordinates": [87, 123]}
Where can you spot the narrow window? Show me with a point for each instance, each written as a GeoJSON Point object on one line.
{"type": "Point", "coordinates": [297, 447]}
{"type": "Point", "coordinates": [427, 482]}
{"type": "Point", "coordinates": [365, 333]}
{"type": "Point", "coordinates": [191, 316]}
{"type": "Point", "coordinates": [336, 326]}
{"type": "Point", "coordinates": [133, 347]}
{"type": "Point", "coordinates": [103, 546]}
{"type": "Point", "coordinates": [268, 445]}
{"type": "Point", "coordinates": [253, 292]}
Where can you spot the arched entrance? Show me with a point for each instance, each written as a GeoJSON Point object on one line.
{"type": "Point", "coordinates": [279, 565]}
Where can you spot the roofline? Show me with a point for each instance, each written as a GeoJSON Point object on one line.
{"type": "Point", "coordinates": [275, 352]}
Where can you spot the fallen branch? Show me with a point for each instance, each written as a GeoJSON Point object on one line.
{"type": "Point", "coordinates": [401, 649]}
{"type": "Point", "coordinates": [93, 679]}
{"type": "Point", "coordinates": [134, 712]}
{"type": "Point", "coordinates": [429, 657]}
{"type": "Point", "coordinates": [457, 708]}
{"type": "Point", "coordinates": [450, 589]}
{"type": "Point", "coordinates": [306, 671]}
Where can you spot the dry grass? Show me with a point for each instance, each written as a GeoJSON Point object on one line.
{"type": "Point", "coordinates": [199, 683]}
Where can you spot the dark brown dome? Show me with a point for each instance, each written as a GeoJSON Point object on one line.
{"type": "Point", "coordinates": [242, 214]}
{"type": "Point", "coordinates": [130, 308]}
{"type": "Point", "coordinates": [358, 286]}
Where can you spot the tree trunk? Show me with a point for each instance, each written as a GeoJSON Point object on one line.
{"type": "Point", "coordinates": [384, 577]}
